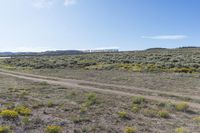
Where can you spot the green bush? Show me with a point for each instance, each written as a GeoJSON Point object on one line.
{"type": "Point", "coordinates": [22, 110]}
{"type": "Point", "coordinates": [122, 114]}
{"type": "Point", "coordinates": [129, 130]}
{"type": "Point", "coordinates": [197, 120]}
{"type": "Point", "coordinates": [181, 130]}
{"type": "Point", "coordinates": [91, 99]}
{"type": "Point", "coordinates": [53, 129]}
{"type": "Point", "coordinates": [9, 114]}
{"type": "Point", "coordinates": [163, 114]}
{"type": "Point", "coordinates": [182, 106]}
{"type": "Point", "coordinates": [138, 100]}
{"type": "Point", "coordinates": [149, 112]}
{"type": "Point", "coordinates": [135, 108]}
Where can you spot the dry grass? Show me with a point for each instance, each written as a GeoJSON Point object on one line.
{"type": "Point", "coordinates": [85, 111]}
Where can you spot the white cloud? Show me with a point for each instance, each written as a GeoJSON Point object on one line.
{"type": "Point", "coordinates": [69, 2]}
{"type": "Point", "coordinates": [166, 37]}
{"type": "Point", "coordinates": [50, 3]}
{"type": "Point", "coordinates": [42, 3]}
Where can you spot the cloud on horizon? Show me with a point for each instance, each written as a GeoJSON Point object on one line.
{"type": "Point", "coordinates": [166, 37]}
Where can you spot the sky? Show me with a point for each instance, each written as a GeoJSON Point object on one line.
{"type": "Point", "coordinates": [40, 25]}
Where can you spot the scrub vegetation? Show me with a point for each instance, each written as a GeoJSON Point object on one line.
{"type": "Point", "coordinates": [181, 60]}
{"type": "Point", "coordinates": [156, 90]}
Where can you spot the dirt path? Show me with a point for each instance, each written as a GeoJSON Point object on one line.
{"type": "Point", "coordinates": [87, 85]}
{"type": "Point", "coordinates": [111, 86]}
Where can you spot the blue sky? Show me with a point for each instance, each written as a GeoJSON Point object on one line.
{"type": "Point", "coordinates": [38, 25]}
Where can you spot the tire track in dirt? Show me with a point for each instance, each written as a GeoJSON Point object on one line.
{"type": "Point", "coordinates": [123, 88]}
{"type": "Point", "coordinates": [76, 84]}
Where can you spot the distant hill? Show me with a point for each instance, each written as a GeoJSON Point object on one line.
{"type": "Point", "coordinates": [57, 52]}
{"type": "Point", "coordinates": [150, 49]}
{"type": "Point", "coordinates": [76, 52]}
{"type": "Point", "coordinates": [193, 47]}
{"type": "Point", "coordinates": [51, 53]}
{"type": "Point", "coordinates": [6, 53]}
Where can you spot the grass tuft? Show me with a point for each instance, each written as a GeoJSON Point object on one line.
{"type": "Point", "coordinates": [163, 114]}
{"type": "Point", "coordinates": [123, 114]}
{"type": "Point", "coordinates": [53, 129]}
{"type": "Point", "coordinates": [138, 100]}
{"type": "Point", "coordinates": [181, 130]}
{"type": "Point", "coordinates": [129, 130]}
{"type": "Point", "coordinates": [197, 120]}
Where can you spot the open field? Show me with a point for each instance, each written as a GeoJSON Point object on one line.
{"type": "Point", "coordinates": [78, 98]}
{"type": "Point", "coordinates": [71, 109]}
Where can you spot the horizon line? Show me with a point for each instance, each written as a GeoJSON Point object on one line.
{"type": "Point", "coordinates": [50, 50]}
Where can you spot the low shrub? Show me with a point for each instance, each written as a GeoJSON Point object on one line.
{"type": "Point", "coordinates": [83, 109]}
{"type": "Point", "coordinates": [182, 106]}
{"type": "Point", "coordinates": [138, 100]}
{"type": "Point", "coordinates": [79, 119]}
{"type": "Point", "coordinates": [135, 108]}
{"type": "Point", "coordinates": [163, 114]}
{"type": "Point", "coordinates": [9, 114]}
{"type": "Point", "coordinates": [53, 129]}
{"type": "Point", "coordinates": [91, 99]}
{"type": "Point", "coordinates": [181, 130]}
{"type": "Point", "coordinates": [149, 112]}
{"type": "Point", "coordinates": [167, 105]}
{"type": "Point", "coordinates": [36, 105]}
{"type": "Point", "coordinates": [122, 114]}
{"type": "Point", "coordinates": [25, 120]}
{"type": "Point", "coordinates": [72, 94]}
{"type": "Point", "coordinates": [129, 130]}
{"type": "Point", "coordinates": [50, 104]}
{"type": "Point", "coordinates": [23, 93]}
{"type": "Point", "coordinates": [22, 110]}
{"type": "Point", "coordinates": [44, 83]}
{"type": "Point", "coordinates": [184, 70]}
{"type": "Point", "coordinates": [5, 129]}
{"type": "Point", "coordinates": [197, 120]}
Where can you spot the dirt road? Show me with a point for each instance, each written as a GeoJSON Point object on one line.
{"type": "Point", "coordinates": [104, 88]}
